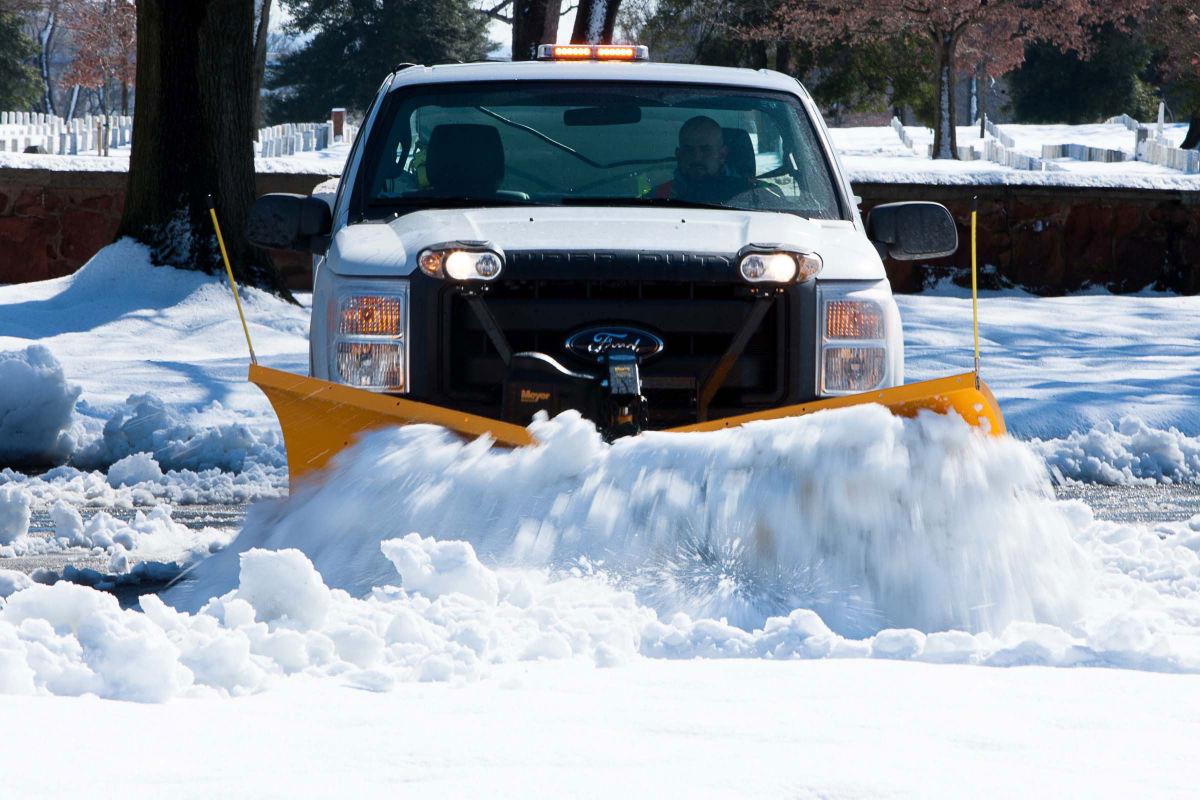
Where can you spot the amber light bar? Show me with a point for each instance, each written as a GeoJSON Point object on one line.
{"type": "Point", "coordinates": [593, 52]}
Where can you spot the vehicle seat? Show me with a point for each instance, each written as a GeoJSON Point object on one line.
{"type": "Point", "coordinates": [464, 160]}
{"type": "Point", "coordinates": [740, 155]}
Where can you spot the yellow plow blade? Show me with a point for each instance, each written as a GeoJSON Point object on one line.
{"type": "Point", "coordinates": [956, 393]}
{"type": "Point", "coordinates": [319, 418]}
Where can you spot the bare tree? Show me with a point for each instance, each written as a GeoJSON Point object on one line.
{"type": "Point", "coordinates": [534, 22]}
{"type": "Point", "coordinates": [594, 21]}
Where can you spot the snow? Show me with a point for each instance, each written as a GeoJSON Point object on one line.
{"type": "Point", "coordinates": [870, 155]}
{"type": "Point", "coordinates": [316, 162]}
{"type": "Point", "coordinates": [876, 155]}
{"type": "Point", "coordinates": [36, 406]}
{"type": "Point", "coordinates": [844, 605]}
{"type": "Point", "coordinates": [14, 513]}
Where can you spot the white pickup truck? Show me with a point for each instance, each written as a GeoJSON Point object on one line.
{"type": "Point", "coordinates": [651, 244]}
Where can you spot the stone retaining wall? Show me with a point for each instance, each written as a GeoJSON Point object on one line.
{"type": "Point", "coordinates": [53, 221]}
{"type": "Point", "coordinates": [1047, 239]}
{"type": "Point", "coordinates": [1052, 240]}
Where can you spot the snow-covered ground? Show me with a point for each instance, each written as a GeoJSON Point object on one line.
{"type": "Point", "coordinates": [317, 162]}
{"type": "Point", "coordinates": [846, 605]}
{"type": "Point", "coordinates": [870, 154]}
{"type": "Point", "coordinates": [876, 154]}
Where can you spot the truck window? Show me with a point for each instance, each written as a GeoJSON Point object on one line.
{"type": "Point", "coordinates": [558, 142]}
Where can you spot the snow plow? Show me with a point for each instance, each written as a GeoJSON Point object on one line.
{"type": "Point", "coordinates": [656, 246]}
{"type": "Point", "coordinates": [319, 418]}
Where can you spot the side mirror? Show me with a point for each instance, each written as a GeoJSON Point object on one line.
{"type": "Point", "coordinates": [913, 230]}
{"type": "Point", "coordinates": [288, 221]}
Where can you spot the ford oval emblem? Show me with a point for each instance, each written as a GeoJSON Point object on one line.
{"type": "Point", "coordinates": [593, 343]}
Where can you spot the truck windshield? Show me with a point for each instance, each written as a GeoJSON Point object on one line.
{"type": "Point", "coordinates": [596, 143]}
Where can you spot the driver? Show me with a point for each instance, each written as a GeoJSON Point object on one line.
{"type": "Point", "coordinates": [701, 174]}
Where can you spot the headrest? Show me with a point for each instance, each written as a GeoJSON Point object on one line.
{"type": "Point", "coordinates": [465, 159]}
{"type": "Point", "coordinates": [740, 156]}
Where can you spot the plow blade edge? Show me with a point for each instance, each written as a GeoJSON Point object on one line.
{"type": "Point", "coordinates": [319, 419]}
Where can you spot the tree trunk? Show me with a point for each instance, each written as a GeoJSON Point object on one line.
{"type": "Point", "coordinates": [981, 93]}
{"type": "Point", "coordinates": [534, 22]}
{"type": "Point", "coordinates": [46, 40]}
{"type": "Point", "coordinates": [195, 95]}
{"type": "Point", "coordinates": [594, 21]}
{"type": "Point", "coordinates": [945, 144]}
{"type": "Point", "coordinates": [783, 58]}
{"type": "Point", "coordinates": [74, 100]}
{"type": "Point", "coordinates": [1192, 140]}
{"type": "Point", "coordinates": [260, 63]}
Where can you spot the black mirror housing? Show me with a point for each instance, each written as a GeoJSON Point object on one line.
{"type": "Point", "coordinates": [288, 221]}
{"type": "Point", "coordinates": [913, 230]}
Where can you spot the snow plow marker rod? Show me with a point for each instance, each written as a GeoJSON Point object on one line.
{"type": "Point", "coordinates": [212, 209]}
{"type": "Point", "coordinates": [974, 289]}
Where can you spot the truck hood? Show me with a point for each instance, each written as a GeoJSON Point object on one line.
{"type": "Point", "coordinates": [391, 247]}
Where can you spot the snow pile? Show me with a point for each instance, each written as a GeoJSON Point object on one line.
{"type": "Point", "coordinates": [150, 535]}
{"type": "Point", "coordinates": [282, 619]}
{"type": "Point", "coordinates": [14, 513]}
{"type": "Point", "coordinates": [147, 426]}
{"type": "Point", "coordinates": [36, 408]}
{"type": "Point", "coordinates": [160, 360]}
{"type": "Point", "coordinates": [466, 618]}
{"type": "Point", "coordinates": [183, 487]}
{"type": "Point", "coordinates": [1131, 453]}
{"type": "Point", "coordinates": [870, 519]}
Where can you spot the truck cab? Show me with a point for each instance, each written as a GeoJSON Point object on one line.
{"type": "Point", "coordinates": [650, 244]}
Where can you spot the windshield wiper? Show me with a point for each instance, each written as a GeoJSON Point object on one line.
{"type": "Point", "coordinates": [639, 201]}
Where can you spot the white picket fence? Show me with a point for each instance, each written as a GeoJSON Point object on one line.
{"type": "Point", "coordinates": [965, 152]}
{"type": "Point", "coordinates": [1081, 152]}
{"type": "Point", "coordinates": [300, 137]}
{"type": "Point", "coordinates": [1151, 146]}
{"type": "Point", "coordinates": [96, 134]}
{"type": "Point", "coordinates": [1166, 156]}
{"type": "Point", "coordinates": [20, 130]}
{"type": "Point", "coordinates": [995, 151]}
{"type": "Point", "coordinates": [994, 130]}
{"type": "Point", "coordinates": [898, 127]}
{"type": "Point", "coordinates": [1126, 120]}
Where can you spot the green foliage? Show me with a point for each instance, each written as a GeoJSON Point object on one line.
{"type": "Point", "coordinates": [875, 76]}
{"type": "Point", "coordinates": [19, 85]}
{"type": "Point", "coordinates": [1052, 86]}
{"type": "Point", "coordinates": [356, 43]}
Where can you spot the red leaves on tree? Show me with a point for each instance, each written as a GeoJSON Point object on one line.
{"type": "Point", "coordinates": [984, 37]}
{"type": "Point", "coordinates": [105, 33]}
{"type": "Point", "coordinates": [1176, 28]}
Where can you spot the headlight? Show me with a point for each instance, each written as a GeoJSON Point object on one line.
{"type": "Point", "coordinates": [367, 328]}
{"type": "Point", "coordinates": [779, 267]}
{"type": "Point", "coordinates": [859, 344]}
{"type": "Point", "coordinates": [461, 265]}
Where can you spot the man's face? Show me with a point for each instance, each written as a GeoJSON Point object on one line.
{"type": "Point", "coordinates": [700, 153]}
